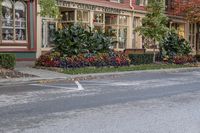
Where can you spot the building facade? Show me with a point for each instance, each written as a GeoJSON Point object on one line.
{"type": "Point", "coordinates": [27, 34]}
{"type": "Point", "coordinates": [18, 28]}
{"type": "Point", "coordinates": [107, 15]}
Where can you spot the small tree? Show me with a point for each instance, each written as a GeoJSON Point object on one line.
{"type": "Point", "coordinates": [173, 45]}
{"type": "Point", "coordinates": [49, 8]}
{"type": "Point", "coordinates": [154, 24]}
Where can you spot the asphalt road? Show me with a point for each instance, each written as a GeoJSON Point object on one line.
{"type": "Point", "coordinates": [148, 102]}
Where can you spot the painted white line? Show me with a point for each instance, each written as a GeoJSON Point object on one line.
{"type": "Point", "coordinates": [80, 87]}
{"type": "Point", "coordinates": [53, 86]}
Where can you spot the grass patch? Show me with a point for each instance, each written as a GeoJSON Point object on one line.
{"type": "Point", "coordinates": [88, 70]}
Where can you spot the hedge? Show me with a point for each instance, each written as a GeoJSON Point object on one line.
{"type": "Point", "coordinates": [137, 59]}
{"type": "Point", "coordinates": [7, 60]}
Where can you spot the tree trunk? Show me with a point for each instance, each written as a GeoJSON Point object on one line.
{"type": "Point", "coordinates": [154, 51]}
{"type": "Point", "coordinates": [154, 55]}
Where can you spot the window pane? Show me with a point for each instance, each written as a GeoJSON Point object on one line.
{"type": "Point", "coordinates": [68, 16]}
{"type": "Point", "coordinates": [85, 16]}
{"type": "Point", "coordinates": [123, 20]}
{"type": "Point", "coordinates": [7, 20]}
{"type": "Point", "coordinates": [20, 21]}
{"type": "Point", "coordinates": [111, 19]}
{"type": "Point", "coordinates": [79, 15]}
{"type": "Point", "coordinates": [99, 18]}
{"type": "Point", "coordinates": [122, 37]}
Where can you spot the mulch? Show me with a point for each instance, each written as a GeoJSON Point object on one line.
{"type": "Point", "coordinates": [7, 73]}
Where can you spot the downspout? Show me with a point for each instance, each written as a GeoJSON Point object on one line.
{"type": "Point", "coordinates": [131, 4]}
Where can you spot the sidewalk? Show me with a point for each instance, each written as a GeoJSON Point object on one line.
{"type": "Point", "coordinates": [45, 75]}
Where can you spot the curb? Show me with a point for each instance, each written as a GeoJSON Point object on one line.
{"type": "Point", "coordinates": [5, 82]}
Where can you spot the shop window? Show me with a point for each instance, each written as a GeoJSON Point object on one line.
{"type": "Point", "coordinates": [136, 22]}
{"type": "Point", "coordinates": [111, 19]}
{"type": "Point", "coordinates": [48, 32]}
{"type": "Point", "coordinates": [122, 37]}
{"type": "Point", "coordinates": [68, 16]}
{"type": "Point", "coordinates": [82, 16]}
{"type": "Point", "coordinates": [98, 18]}
{"type": "Point", "coordinates": [123, 20]}
{"type": "Point", "coordinates": [112, 31]}
{"type": "Point", "coordinates": [123, 26]}
{"type": "Point", "coordinates": [117, 25]}
{"type": "Point", "coordinates": [192, 34]}
{"type": "Point", "coordinates": [14, 20]}
{"type": "Point", "coordinates": [180, 28]}
{"type": "Point", "coordinates": [99, 21]}
{"type": "Point", "coordinates": [143, 2]}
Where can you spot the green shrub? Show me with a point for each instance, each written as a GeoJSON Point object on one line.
{"type": "Point", "coordinates": [174, 45]}
{"type": "Point", "coordinates": [7, 60]}
{"type": "Point", "coordinates": [137, 59]}
{"type": "Point", "coordinates": [74, 40]}
{"type": "Point", "coordinates": [70, 41]}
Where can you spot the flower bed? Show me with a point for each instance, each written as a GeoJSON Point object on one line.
{"type": "Point", "coordinates": [54, 59]}
{"type": "Point", "coordinates": [184, 59]}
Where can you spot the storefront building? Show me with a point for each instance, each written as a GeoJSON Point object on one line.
{"type": "Point", "coordinates": [18, 28]}
{"type": "Point", "coordinates": [27, 34]}
{"type": "Point", "coordinates": [107, 15]}
{"type": "Point", "coordinates": [120, 16]}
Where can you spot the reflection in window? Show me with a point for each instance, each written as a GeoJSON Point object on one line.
{"type": "Point", "coordinates": [7, 22]}
{"type": "Point", "coordinates": [111, 19]}
{"type": "Point", "coordinates": [20, 21]}
{"type": "Point", "coordinates": [122, 37]}
{"type": "Point", "coordinates": [14, 21]}
{"type": "Point", "coordinates": [123, 20]}
{"type": "Point", "coordinates": [83, 16]}
{"type": "Point", "coordinates": [99, 18]}
{"type": "Point", "coordinates": [68, 16]}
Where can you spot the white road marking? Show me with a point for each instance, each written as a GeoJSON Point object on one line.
{"type": "Point", "coordinates": [80, 87]}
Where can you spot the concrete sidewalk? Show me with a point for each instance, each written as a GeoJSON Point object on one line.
{"type": "Point", "coordinates": [45, 75]}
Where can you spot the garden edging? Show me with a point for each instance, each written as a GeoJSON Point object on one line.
{"type": "Point", "coordinates": [70, 78]}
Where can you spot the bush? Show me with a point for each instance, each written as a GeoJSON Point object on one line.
{"type": "Point", "coordinates": [137, 59]}
{"type": "Point", "coordinates": [174, 45]}
{"type": "Point", "coordinates": [83, 60]}
{"type": "Point", "coordinates": [7, 60]}
{"type": "Point", "coordinates": [50, 59]}
{"type": "Point", "coordinates": [74, 40]}
{"type": "Point", "coordinates": [184, 59]}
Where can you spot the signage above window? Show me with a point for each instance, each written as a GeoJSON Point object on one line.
{"type": "Point", "coordinates": [117, 1]}
{"type": "Point", "coordinates": [69, 4]}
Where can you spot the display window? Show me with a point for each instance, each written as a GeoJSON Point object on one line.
{"type": "Point", "coordinates": [122, 37]}
{"type": "Point", "coordinates": [117, 25]}
{"type": "Point", "coordinates": [68, 16]}
{"type": "Point", "coordinates": [111, 19]}
{"type": "Point", "coordinates": [123, 20]}
{"type": "Point", "coordinates": [99, 18]}
{"type": "Point", "coordinates": [82, 16]}
{"type": "Point", "coordinates": [14, 21]}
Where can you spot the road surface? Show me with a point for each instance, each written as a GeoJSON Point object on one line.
{"type": "Point", "coordinates": [145, 102]}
